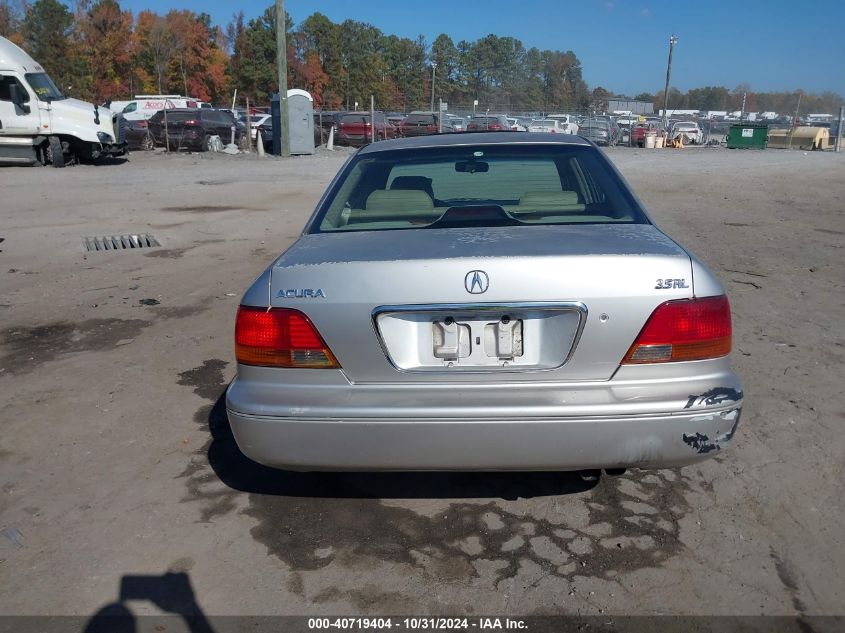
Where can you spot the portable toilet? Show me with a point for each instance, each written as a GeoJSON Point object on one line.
{"type": "Point", "coordinates": [301, 121]}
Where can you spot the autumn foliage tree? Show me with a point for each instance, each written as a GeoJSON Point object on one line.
{"type": "Point", "coordinates": [109, 43]}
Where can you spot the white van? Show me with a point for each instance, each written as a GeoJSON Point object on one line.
{"type": "Point", "coordinates": [39, 124]}
{"type": "Point", "coordinates": [142, 107]}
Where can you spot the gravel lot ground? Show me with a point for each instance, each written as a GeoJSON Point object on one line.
{"type": "Point", "coordinates": [116, 459]}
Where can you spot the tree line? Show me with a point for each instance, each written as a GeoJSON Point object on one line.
{"type": "Point", "coordinates": [97, 51]}
{"type": "Point", "coordinates": [719, 98]}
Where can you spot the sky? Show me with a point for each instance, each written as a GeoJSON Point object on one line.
{"type": "Point", "coordinates": [771, 45]}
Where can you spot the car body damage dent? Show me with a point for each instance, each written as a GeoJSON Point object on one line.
{"type": "Point", "coordinates": [715, 396]}
{"type": "Point", "coordinates": [702, 444]}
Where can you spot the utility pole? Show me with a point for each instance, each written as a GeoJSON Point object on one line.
{"type": "Point", "coordinates": [797, 108]}
{"type": "Point", "coordinates": [433, 74]}
{"type": "Point", "coordinates": [282, 63]}
{"type": "Point", "coordinates": [794, 121]}
{"type": "Point", "coordinates": [840, 130]}
{"type": "Point", "coordinates": [440, 116]}
{"type": "Point", "coordinates": [742, 110]}
{"type": "Point", "coordinates": [672, 41]}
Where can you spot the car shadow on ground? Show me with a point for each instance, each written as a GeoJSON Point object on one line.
{"type": "Point", "coordinates": [241, 473]}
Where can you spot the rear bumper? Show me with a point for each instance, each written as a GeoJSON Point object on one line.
{"type": "Point", "coordinates": [450, 444]}
{"type": "Point", "coordinates": [645, 417]}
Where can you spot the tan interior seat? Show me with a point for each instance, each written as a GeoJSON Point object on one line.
{"type": "Point", "coordinates": [396, 204]}
{"type": "Point", "coordinates": [551, 201]}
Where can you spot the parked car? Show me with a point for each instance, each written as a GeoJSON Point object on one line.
{"type": "Point", "coordinates": [395, 119]}
{"type": "Point", "coordinates": [516, 126]}
{"type": "Point", "coordinates": [599, 131]}
{"type": "Point", "coordinates": [138, 136]}
{"type": "Point", "coordinates": [489, 123]}
{"type": "Point", "coordinates": [266, 130]}
{"type": "Point", "coordinates": [690, 129]}
{"type": "Point", "coordinates": [255, 123]}
{"type": "Point", "coordinates": [548, 126]}
{"type": "Point", "coordinates": [385, 339]}
{"type": "Point", "coordinates": [570, 126]}
{"type": "Point", "coordinates": [627, 121]}
{"type": "Point", "coordinates": [640, 130]}
{"type": "Point", "coordinates": [356, 129]}
{"type": "Point", "coordinates": [425, 123]}
{"type": "Point", "coordinates": [459, 124]}
{"type": "Point", "coordinates": [145, 106]}
{"type": "Point", "coordinates": [193, 128]}
{"type": "Point", "coordinates": [323, 123]}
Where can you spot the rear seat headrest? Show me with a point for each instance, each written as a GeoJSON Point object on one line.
{"type": "Point", "coordinates": [400, 202]}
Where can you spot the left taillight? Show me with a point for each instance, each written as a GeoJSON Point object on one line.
{"type": "Point", "coordinates": [684, 330]}
{"type": "Point", "coordinates": [279, 337]}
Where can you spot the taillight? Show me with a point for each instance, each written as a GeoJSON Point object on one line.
{"type": "Point", "coordinates": [279, 337]}
{"type": "Point", "coordinates": [192, 122]}
{"type": "Point", "coordinates": [431, 128]}
{"type": "Point", "coordinates": [142, 124]}
{"type": "Point", "coordinates": [494, 126]}
{"type": "Point", "coordinates": [682, 330]}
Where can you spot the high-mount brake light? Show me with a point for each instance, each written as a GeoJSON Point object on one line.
{"type": "Point", "coordinates": [684, 330]}
{"type": "Point", "coordinates": [279, 337]}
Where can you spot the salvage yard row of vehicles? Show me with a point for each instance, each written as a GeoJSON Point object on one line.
{"type": "Point", "coordinates": [38, 124]}
{"type": "Point", "coordinates": [354, 128]}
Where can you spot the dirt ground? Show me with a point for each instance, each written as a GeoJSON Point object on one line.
{"type": "Point", "coordinates": [116, 460]}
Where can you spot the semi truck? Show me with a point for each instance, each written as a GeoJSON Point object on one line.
{"type": "Point", "coordinates": [39, 125]}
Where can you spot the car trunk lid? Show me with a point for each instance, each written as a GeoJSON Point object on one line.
{"type": "Point", "coordinates": [539, 303]}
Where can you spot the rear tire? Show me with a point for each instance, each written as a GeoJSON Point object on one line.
{"type": "Point", "coordinates": [55, 152]}
{"type": "Point", "coordinates": [206, 143]}
{"type": "Point", "coordinates": [148, 143]}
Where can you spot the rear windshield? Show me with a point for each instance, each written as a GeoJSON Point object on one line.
{"type": "Point", "coordinates": [355, 118]}
{"type": "Point", "coordinates": [420, 118]}
{"type": "Point", "coordinates": [484, 185]}
{"type": "Point", "coordinates": [177, 117]}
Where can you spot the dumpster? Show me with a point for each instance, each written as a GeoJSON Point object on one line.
{"type": "Point", "coordinates": [748, 136]}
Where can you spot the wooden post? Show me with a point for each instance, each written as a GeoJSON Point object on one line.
{"type": "Point", "coordinates": [282, 63]}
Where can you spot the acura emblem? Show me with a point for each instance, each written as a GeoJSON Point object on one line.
{"type": "Point", "coordinates": [476, 282]}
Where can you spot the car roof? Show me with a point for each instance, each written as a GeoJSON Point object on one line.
{"type": "Point", "coordinates": [474, 138]}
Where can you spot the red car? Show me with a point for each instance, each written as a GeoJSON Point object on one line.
{"type": "Point", "coordinates": [356, 129]}
{"type": "Point", "coordinates": [640, 130]}
{"type": "Point", "coordinates": [489, 122]}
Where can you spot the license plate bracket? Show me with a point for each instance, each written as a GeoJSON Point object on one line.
{"type": "Point", "coordinates": [479, 337]}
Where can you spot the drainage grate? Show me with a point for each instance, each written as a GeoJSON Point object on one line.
{"type": "Point", "coordinates": [120, 242]}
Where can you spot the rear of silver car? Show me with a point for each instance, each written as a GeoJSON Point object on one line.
{"type": "Point", "coordinates": [518, 347]}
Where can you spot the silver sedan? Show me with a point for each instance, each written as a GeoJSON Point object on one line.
{"type": "Point", "coordinates": [490, 301]}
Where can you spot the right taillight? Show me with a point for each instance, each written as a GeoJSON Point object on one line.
{"type": "Point", "coordinates": [279, 337]}
{"type": "Point", "coordinates": [683, 330]}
